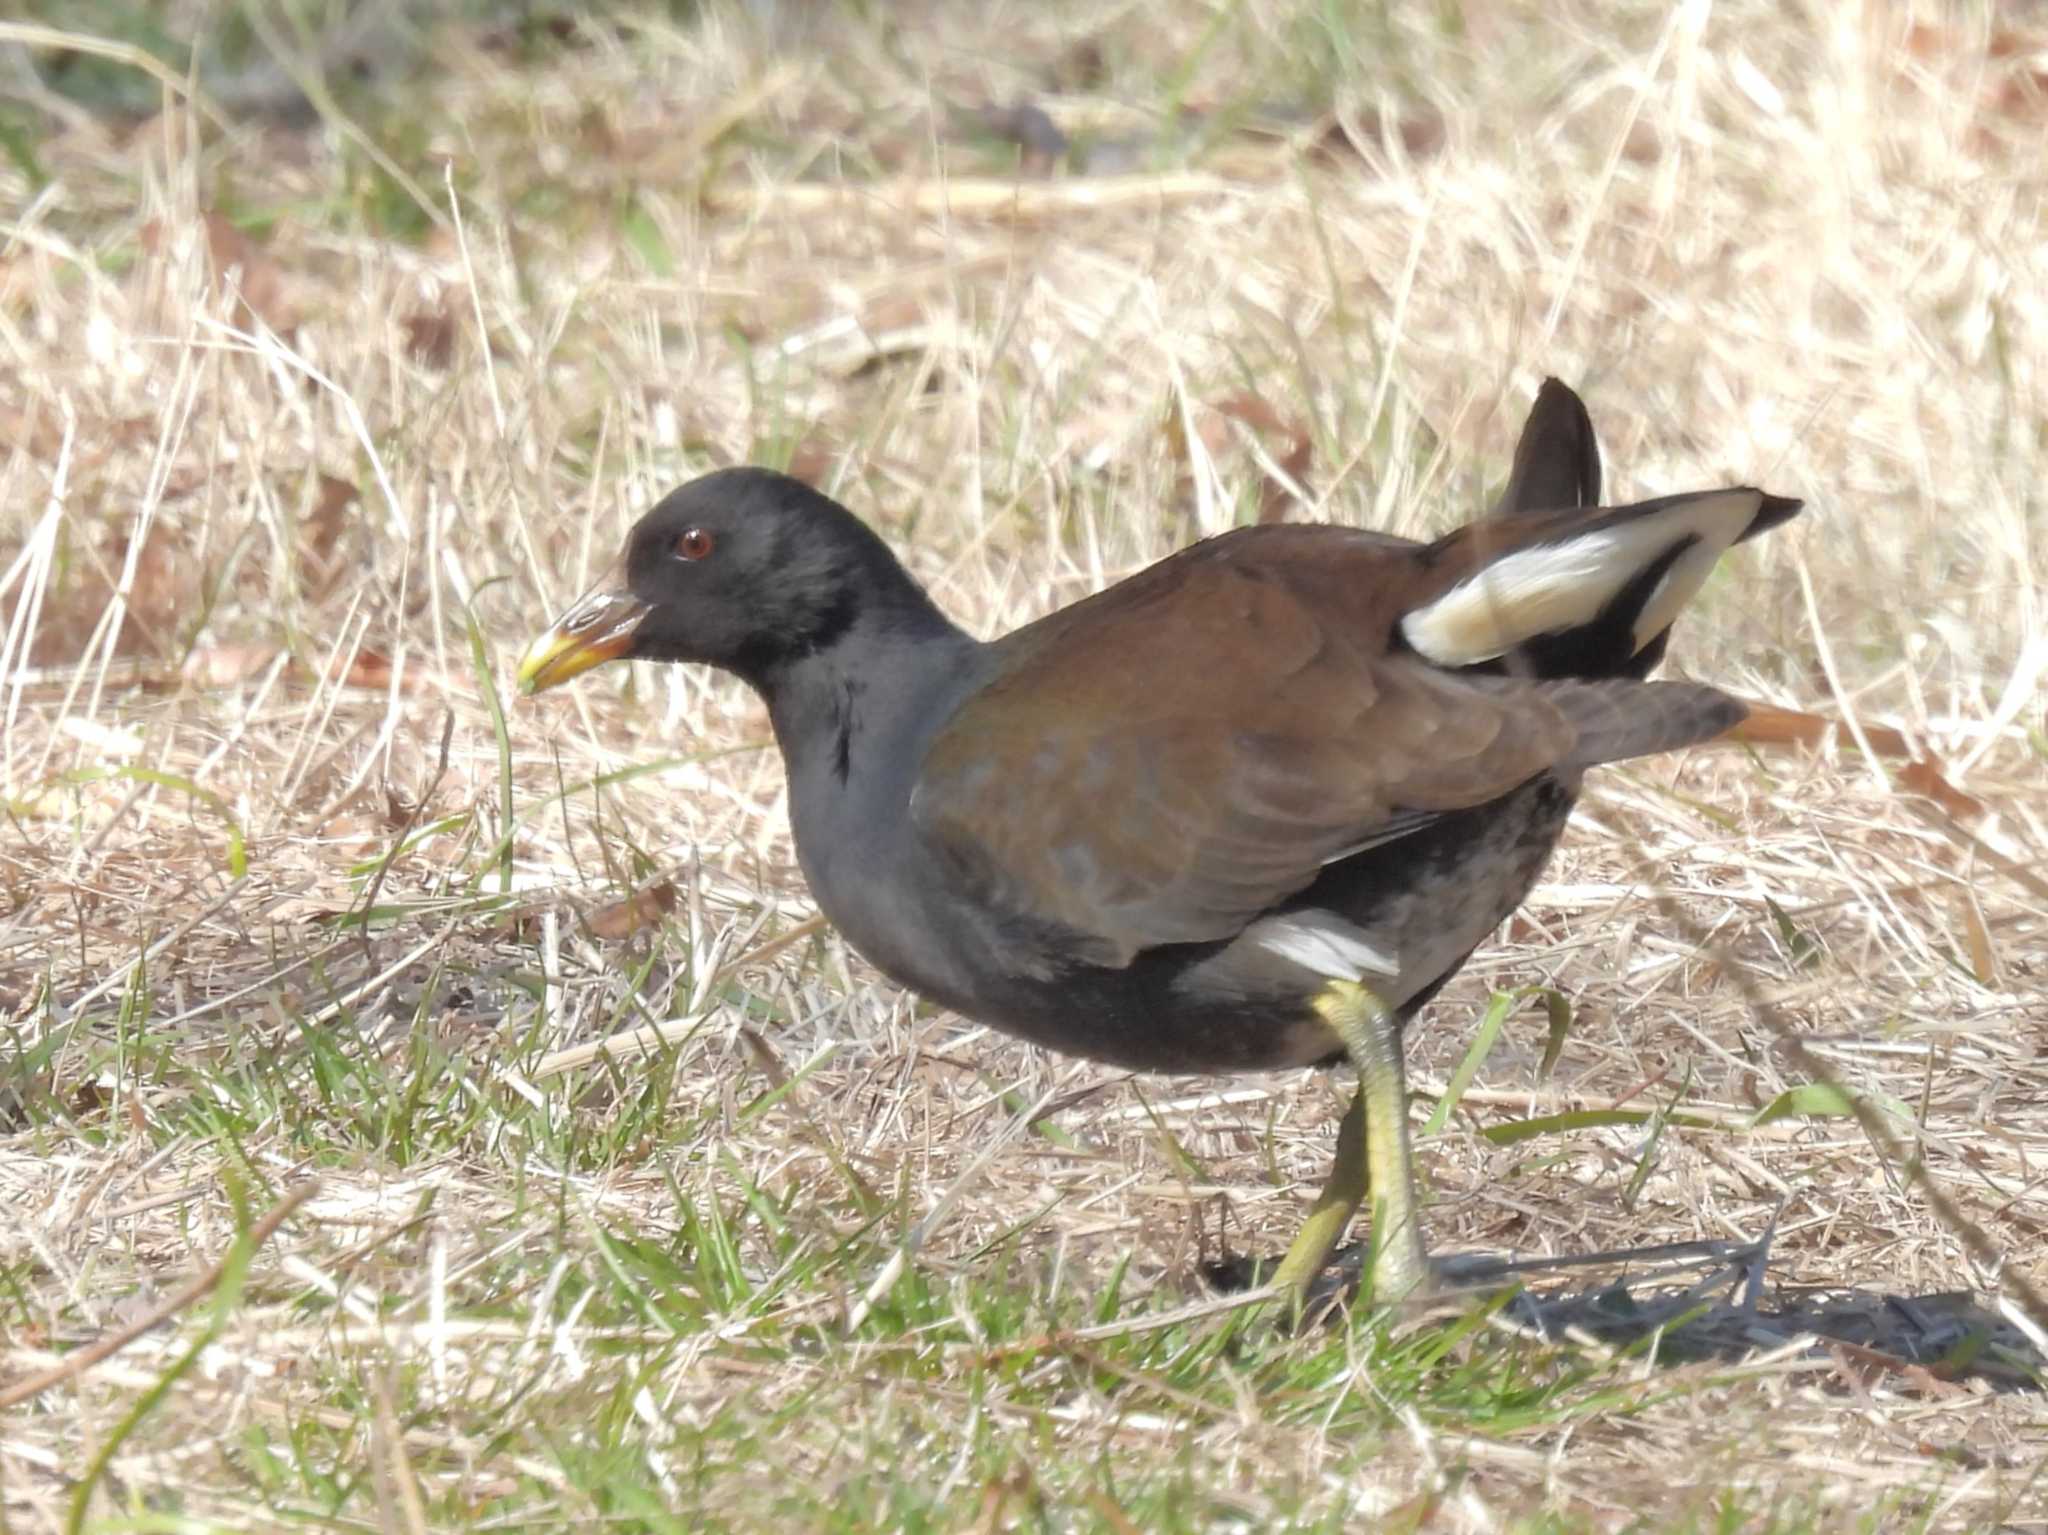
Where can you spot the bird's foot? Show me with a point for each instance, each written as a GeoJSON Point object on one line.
{"type": "Point", "coordinates": [1451, 1278]}
{"type": "Point", "coordinates": [1339, 1283]}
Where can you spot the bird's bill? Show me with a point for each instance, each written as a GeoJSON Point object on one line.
{"type": "Point", "coordinates": [597, 629]}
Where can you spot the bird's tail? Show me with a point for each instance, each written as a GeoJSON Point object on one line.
{"type": "Point", "coordinates": [1557, 462]}
{"type": "Point", "coordinates": [1618, 717]}
{"type": "Point", "coordinates": [1584, 592]}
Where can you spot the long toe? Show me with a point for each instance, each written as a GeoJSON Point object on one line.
{"type": "Point", "coordinates": [1336, 1285]}
{"type": "Point", "coordinates": [1446, 1276]}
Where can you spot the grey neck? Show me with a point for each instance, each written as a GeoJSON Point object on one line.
{"type": "Point", "coordinates": [845, 717]}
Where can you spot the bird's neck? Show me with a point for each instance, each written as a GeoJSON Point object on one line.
{"type": "Point", "coordinates": [854, 723]}
{"type": "Point", "coordinates": [880, 690]}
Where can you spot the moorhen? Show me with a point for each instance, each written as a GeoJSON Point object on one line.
{"type": "Point", "coordinates": [1248, 808]}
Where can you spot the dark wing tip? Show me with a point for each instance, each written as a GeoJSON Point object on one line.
{"type": "Point", "coordinates": [1557, 461]}
{"type": "Point", "coordinates": [1774, 510]}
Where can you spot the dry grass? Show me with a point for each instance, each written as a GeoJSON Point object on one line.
{"type": "Point", "coordinates": [268, 434]}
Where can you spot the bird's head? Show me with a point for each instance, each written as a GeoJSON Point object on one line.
{"type": "Point", "coordinates": [744, 569]}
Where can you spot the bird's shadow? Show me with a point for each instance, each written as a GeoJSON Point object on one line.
{"type": "Point", "coordinates": [1935, 1344]}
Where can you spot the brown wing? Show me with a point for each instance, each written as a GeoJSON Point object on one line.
{"type": "Point", "coordinates": [1162, 767]}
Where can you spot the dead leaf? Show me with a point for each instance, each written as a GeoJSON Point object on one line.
{"type": "Point", "coordinates": [223, 666]}
{"type": "Point", "coordinates": [1644, 145]}
{"type": "Point", "coordinates": [1420, 135]}
{"type": "Point", "coordinates": [811, 460]}
{"type": "Point", "coordinates": [895, 310]}
{"type": "Point", "coordinates": [90, 1099]}
{"type": "Point", "coordinates": [38, 433]}
{"type": "Point", "coordinates": [521, 924]}
{"type": "Point", "coordinates": [2004, 72]}
{"type": "Point", "coordinates": [162, 594]}
{"type": "Point", "coordinates": [320, 533]}
{"type": "Point", "coordinates": [1977, 941]}
{"type": "Point", "coordinates": [163, 583]}
{"type": "Point", "coordinates": [350, 826]}
{"type": "Point", "coordinates": [1924, 778]}
{"type": "Point", "coordinates": [598, 133]}
{"type": "Point", "coordinates": [17, 284]}
{"type": "Point", "coordinates": [241, 265]}
{"type": "Point", "coordinates": [430, 337]}
{"type": "Point", "coordinates": [399, 812]}
{"type": "Point", "coordinates": [255, 274]}
{"type": "Point", "coordinates": [1274, 493]}
{"type": "Point", "coordinates": [365, 668]}
{"type": "Point", "coordinates": [643, 908]}
{"type": "Point", "coordinates": [1769, 726]}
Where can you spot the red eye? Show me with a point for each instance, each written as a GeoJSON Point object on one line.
{"type": "Point", "coordinates": [695, 544]}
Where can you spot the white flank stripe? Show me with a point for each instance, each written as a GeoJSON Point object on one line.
{"type": "Point", "coordinates": [1323, 942]}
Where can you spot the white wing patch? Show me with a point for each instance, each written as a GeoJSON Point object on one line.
{"type": "Point", "coordinates": [1561, 585]}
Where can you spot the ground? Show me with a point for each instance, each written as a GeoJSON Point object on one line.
{"type": "Point", "coordinates": [315, 406]}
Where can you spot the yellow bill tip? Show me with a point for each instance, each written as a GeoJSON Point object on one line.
{"type": "Point", "coordinates": [596, 630]}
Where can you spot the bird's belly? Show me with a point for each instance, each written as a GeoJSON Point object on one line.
{"type": "Point", "coordinates": [1426, 902]}
{"type": "Point", "coordinates": [1470, 883]}
{"type": "Point", "coordinates": [1418, 907]}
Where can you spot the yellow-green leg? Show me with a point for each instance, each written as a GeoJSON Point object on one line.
{"type": "Point", "coordinates": [1372, 1157]}
{"type": "Point", "coordinates": [1343, 1193]}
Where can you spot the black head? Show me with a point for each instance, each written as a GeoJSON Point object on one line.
{"type": "Point", "coordinates": [744, 569]}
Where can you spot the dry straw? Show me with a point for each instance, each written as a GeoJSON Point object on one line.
{"type": "Point", "coordinates": [281, 457]}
